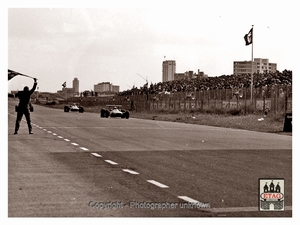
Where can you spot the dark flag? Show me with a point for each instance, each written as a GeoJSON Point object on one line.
{"type": "Point", "coordinates": [12, 74]}
{"type": "Point", "coordinates": [249, 37]}
{"type": "Point", "coordinates": [64, 84]}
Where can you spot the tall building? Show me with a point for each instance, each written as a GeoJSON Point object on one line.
{"type": "Point", "coordinates": [168, 70]}
{"type": "Point", "coordinates": [76, 85]}
{"type": "Point", "coordinates": [259, 66]}
{"type": "Point", "coordinates": [106, 87]}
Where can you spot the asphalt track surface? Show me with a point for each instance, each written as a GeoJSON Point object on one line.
{"type": "Point", "coordinates": [81, 165]}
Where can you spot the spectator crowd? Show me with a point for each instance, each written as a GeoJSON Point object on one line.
{"type": "Point", "coordinates": [211, 83]}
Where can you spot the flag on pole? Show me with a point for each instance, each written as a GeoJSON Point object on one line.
{"type": "Point", "coordinates": [249, 37]}
{"type": "Point", "coordinates": [12, 74]}
{"type": "Point", "coordinates": [64, 84]}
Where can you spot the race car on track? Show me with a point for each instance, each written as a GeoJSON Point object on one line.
{"type": "Point", "coordinates": [114, 111]}
{"type": "Point", "coordinates": [73, 108]}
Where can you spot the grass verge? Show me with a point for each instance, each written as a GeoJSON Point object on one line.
{"type": "Point", "coordinates": [270, 123]}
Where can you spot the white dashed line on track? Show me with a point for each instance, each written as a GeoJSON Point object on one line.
{"type": "Point", "coordinates": [188, 199]}
{"type": "Point", "coordinates": [191, 200]}
{"type": "Point", "coordinates": [130, 171]}
{"type": "Point", "coordinates": [199, 205]}
{"type": "Point", "coordinates": [108, 161]}
{"type": "Point", "coordinates": [158, 184]}
{"type": "Point", "coordinates": [73, 143]}
{"type": "Point", "coordinates": [96, 155]}
{"type": "Point", "coordinates": [111, 162]}
{"type": "Point", "coordinates": [84, 149]}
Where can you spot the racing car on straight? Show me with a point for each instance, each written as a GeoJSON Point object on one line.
{"type": "Point", "coordinates": [73, 108]}
{"type": "Point", "coordinates": [114, 111]}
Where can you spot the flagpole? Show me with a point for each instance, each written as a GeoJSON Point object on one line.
{"type": "Point", "coordinates": [252, 69]}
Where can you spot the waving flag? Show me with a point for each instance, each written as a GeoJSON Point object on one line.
{"type": "Point", "coordinates": [64, 84]}
{"type": "Point", "coordinates": [12, 74]}
{"type": "Point", "coordinates": [249, 37]}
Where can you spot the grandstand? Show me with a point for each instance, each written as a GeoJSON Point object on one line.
{"type": "Point", "coordinates": [272, 92]}
{"type": "Point", "coordinates": [219, 82]}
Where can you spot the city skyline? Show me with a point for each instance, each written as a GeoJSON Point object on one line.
{"type": "Point", "coordinates": [118, 44]}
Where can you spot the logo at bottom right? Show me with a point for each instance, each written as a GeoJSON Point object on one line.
{"type": "Point", "coordinates": [271, 194]}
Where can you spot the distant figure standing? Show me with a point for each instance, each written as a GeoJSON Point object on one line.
{"type": "Point", "coordinates": [23, 107]}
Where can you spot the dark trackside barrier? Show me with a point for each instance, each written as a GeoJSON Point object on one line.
{"type": "Point", "coordinates": [287, 123]}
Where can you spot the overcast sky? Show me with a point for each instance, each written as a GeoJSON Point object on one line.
{"type": "Point", "coordinates": [127, 45]}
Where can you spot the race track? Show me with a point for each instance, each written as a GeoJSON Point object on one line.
{"type": "Point", "coordinates": [81, 165]}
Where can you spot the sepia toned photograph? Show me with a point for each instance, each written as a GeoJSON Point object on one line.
{"type": "Point", "coordinates": [157, 110]}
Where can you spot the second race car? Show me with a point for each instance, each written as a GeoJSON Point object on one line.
{"type": "Point", "coordinates": [114, 111]}
{"type": "Point", "coordinates": [74, 108]}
